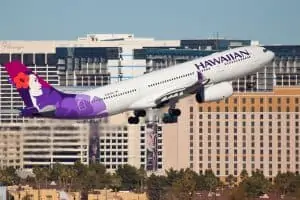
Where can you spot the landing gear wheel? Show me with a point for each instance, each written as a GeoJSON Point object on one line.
{"type": "Point", "coordinates": [174, 111]}
{"type": "Point", "coordinates": [140, 113]}
{"type": "Point", "coordinates": [133, 120]}
{"type": "Point", "coordinates": [165, 120]}
{"type": "Point", "coordinates": [169, 119]}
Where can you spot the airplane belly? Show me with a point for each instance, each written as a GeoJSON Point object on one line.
{"type": "Point", "coordinates": [115, 106]}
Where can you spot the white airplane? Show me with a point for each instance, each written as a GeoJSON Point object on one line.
{"type": "Point", "coordinates": [209, 78]}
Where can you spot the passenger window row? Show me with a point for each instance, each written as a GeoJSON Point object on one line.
{"type": "Point", "coordinates": [120, 94]}
{"type": "Point", "coordinates": [171, 79]}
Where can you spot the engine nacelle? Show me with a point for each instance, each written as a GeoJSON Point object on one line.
{"type": "Point", "coordinates": [215, 92]}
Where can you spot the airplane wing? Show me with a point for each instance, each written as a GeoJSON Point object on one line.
{"type": "Point", "coordinates": [184, 91]}
{"type": "Point", "coordinates": [159, 99]}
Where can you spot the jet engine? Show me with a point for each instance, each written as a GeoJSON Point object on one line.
{"type": "Point", "coordinates": [215, 92]}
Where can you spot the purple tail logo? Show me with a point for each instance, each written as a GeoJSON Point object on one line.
{"type": "Point", "coordinates": [41, 99]}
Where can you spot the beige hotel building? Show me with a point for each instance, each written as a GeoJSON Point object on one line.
{"type": "Point", "coordinates": [246, 131]}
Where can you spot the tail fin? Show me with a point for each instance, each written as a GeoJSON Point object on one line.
{"type": "Point", "coordinates": [33, 89]}
{"type": "Point", "coordinates": [41, 99]}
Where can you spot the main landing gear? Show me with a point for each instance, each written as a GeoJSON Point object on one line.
{"type": "Point", "coordinates": [137, 114]}
{"type": "Point", "coordinates": [171, 116]}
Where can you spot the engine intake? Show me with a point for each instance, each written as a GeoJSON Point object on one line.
{"type": "Point", "coordinates": [215, 92]}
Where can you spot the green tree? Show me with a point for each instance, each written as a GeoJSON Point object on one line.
{"type": "Point", "coordinates": [116, 182]}
{"type": "Point", "coordinates": [103, 178]}
{"type": "Point", "coordinates": [231, 180]}
{"type": "Point", "coordinates": [142, 179]}
{"type": "Point", "coordinates": [200, 180]}
{"type": "Point", "coordinates": [256, 185]}
{"type": "Point", "coordinates": [156, 187]}
{"type": "Point", "coordinates": [90, 177]}
{"type": "Point", "coordinates": [8, 176]}
{"type": "Point", "coordinates": [244, 175]}
{"type": "Point", "coordinates": [70, 177]}
{"type": "Point", "coordinates": [95, 177]}
{"type": "Point", "coordinates": [65, 174]}
{"type": "Point", "coordinates": [41, 175]}
{"type": "Point", "coordinates": [286, 183]}
{"type": "Point", "coordinates": [173, 175]}
{"type": "Point", "coordinates": [129, 176]}
{"type": "Point", "coordinates": [55, 173]}
{"type": "Point", "coordinates": [185, 187]}
{"type": "Point", "coordinates": [81, 171]}
{"type": "Point", "coordinates": [211, 181]}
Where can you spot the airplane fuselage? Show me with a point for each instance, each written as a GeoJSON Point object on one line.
{"type": "Point", "coordinates": [207, 77]}
{"type": "Point", "coordinates": [218, 67]}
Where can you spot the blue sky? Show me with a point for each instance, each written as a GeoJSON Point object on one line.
{"type": "Point", "coordinates": [269, 21]}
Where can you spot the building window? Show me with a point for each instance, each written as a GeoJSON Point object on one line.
{"type": "Point", "coordinates": [40, 59]}
{"type": "Point", "coordinates": [16, 57]}
{"type": "Point", "coordinates": [261, 100]}
{"type": "Point", "coordinates": [191, 109]}
{"type": "Point", "coordinates": [235, 100]}
{"type": "Point", "coordinates": [244, 100]}
{"type": "Point", "coordinates": [270, 100]}
{"type": "Point", "coordinates": [279, 100]}
{"type": "Point", "coordinates": [4, 58]}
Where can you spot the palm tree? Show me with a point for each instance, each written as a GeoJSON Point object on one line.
{"type": "Point", "coordinates": [115, 182]}
{"type": "Point", "coordinates": [55, 174]}
{"type": "Point", "coordinates": [143, 176]}
{"type": "Point", "coordinates": [71, 174]}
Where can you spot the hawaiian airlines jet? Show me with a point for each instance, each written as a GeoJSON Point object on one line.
{"type": "Point", "coordinates": [209, 78]}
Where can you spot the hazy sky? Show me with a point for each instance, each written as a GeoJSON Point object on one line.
{"type": "Point", "coordinates": [269, 21]}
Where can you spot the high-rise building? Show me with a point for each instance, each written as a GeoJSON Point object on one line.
{"type": "Point", "coordinates": [91, 61]}
{"type": "Point", "coordinates": [11, 147]}
{"type": "Point", "coordinates": [45, 144]}
{"type": "Point", "coordinates": [249, 131]}
{"type": "Point", "coordinates": [118, 143]}
{"type": "Point", "coordinates": [42, 144]}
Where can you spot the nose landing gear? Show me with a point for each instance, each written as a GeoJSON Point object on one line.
{"type": "Point", "coordinates": [133, 120]}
